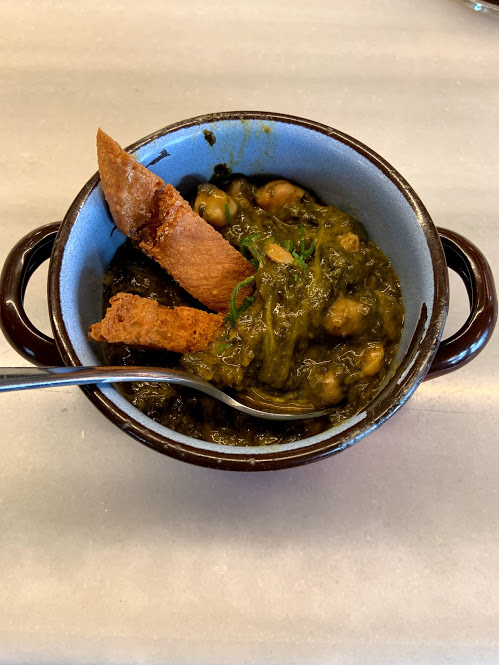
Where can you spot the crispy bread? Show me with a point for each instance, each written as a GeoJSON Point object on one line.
{"type": "Point", "coordinates": [194, 253]}
{"type": "Point", "coordinates": [138, 321]}
{"type": "Point", "coordinates": [130, 189]}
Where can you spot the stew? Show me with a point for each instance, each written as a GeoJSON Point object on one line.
{"type": "Point", "coordinates": [319, 325]}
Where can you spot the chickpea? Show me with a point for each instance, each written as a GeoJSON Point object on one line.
{"type": "Point", "coordinates": [277, 253]}
{"type": "Point", "coordinates": [211, 205]}
{"type": "Point", "coordinates": [344, 317]}
{"type": "Point", "coordinates": [278, 193]}
{"type": "Point", "coordinates": [349, 242]}
{"type": "Point", "coordinates": [373, 359]}
{"type": "Point", "coordinates": [331, 389]}
{"type": "Point", "coordinates": [236, 187]}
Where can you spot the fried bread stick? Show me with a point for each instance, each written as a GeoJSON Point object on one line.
{"type": "Point", "coordinates": [138, 321]}
{"type": "Point", "coordinates": [165, 227]}
{"type": "Point", "coordinates": [130, 189]}
{"type": "Point", "coordinates": [195, 254]}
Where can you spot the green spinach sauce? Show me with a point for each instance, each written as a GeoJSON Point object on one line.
{"type": "Point", "coordinates": [322, 326]}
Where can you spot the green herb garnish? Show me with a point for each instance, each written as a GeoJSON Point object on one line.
{"type": "Point", "coordinates": [287, 245]}
{"type": "Point", "coordinates": [234, 310]}
{"type": "Point", "coordinates": [299, 260]}
{"type": "Point", "coordinates": [249, 246]}
{"type": "Point", "coordinates": [249, 240]}
{"type": "Point", "coordinates": [222, 347]}
{"type": "Point", "coordinates": [303, 251]}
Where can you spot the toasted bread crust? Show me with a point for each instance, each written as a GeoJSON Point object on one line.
{"type": "Point", "coordinates": [130, 189]}
{"type": "Point", "coordinates": [195, 254]}
{"type": "Point", "coordinates": [138, 321]}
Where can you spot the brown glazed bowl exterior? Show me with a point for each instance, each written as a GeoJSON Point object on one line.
{"type": "Point", "coordinates": [342, 171]}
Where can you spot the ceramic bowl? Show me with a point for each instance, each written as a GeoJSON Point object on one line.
{"type": "Point", "coordinates": [342, 171]}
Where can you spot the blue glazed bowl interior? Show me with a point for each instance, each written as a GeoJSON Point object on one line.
{"type": "Point", "coordinates": [337, 169]}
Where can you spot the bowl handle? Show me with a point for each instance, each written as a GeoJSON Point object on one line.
{"type": "Point", "coordinates": [471, 265]}
{"type": "Point", "coordinates": [24, 258]}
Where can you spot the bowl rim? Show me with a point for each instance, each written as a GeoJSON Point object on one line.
{"type": "Point", "coordinates": [398, 389]}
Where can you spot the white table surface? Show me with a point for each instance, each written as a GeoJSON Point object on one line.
{"type": "Point", "coordinates": [387, 553]}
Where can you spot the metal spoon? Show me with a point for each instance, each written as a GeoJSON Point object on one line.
{"type": "Point", "coordinates": [23, 378]}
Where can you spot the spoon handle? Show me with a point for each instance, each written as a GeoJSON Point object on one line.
{"type": "Point", "coordinates": [23, 378]}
